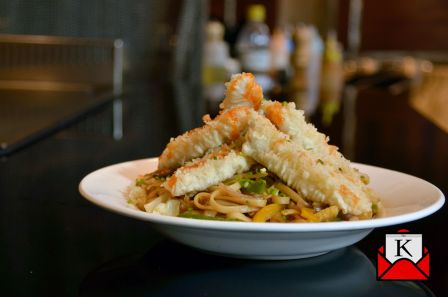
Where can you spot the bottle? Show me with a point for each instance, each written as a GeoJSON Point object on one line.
{"type": "Point", "coordinates": [306, 63]}
{"type": "Point", "coordinates": [280, 63]}
{"type": "Point", "coordinates": [279, 50]}
{"type": "Point", "coordinates": [253, 46]}
{"type": "Point", "coordinates": [215, 63]}
{"type": "Point", "coordinates": [314, 70]}
{"type": "Point", "coordinates": [332, 80]}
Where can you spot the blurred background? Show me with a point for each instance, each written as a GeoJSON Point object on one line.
{"type": "Point", "coordinates": [371, 74]}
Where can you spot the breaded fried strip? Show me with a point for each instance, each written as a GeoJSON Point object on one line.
{"type": "Point", "coordinates": [195, 143]}
{"type": "Point", "coordinates": [242, 90]}
{"type": "Point", "coordinates": [301, 170]}
{"type": "Point", "coordinates": [217, 166]}
{"type": "Point", "coordinates": [291, 121]}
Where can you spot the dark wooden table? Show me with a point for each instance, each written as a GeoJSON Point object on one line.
{"type": "Point", "coordinates": [54, 243]}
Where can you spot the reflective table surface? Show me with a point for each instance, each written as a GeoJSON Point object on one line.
{"type": "Point", "coordinates": [54, 243]}
{"type": "Point", "coordinates": [27, 116]}
{"type": "Point", "coordinates": [168, 269]}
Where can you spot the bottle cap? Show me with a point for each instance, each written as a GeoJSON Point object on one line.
{"type": "Point", "coordinates": [256, 13]}
{"type": "Point", "coordinates": [215, 31]}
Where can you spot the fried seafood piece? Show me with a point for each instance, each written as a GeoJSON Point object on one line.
{"type": "Point", "coordinates": [226, 127]}
{"type": "Point", "coordinates": [302, 170]}
{"type": "Point", "coordinates": [242, 90]}
{"type": "Point", "coordinates": [291, 121]}
{"type": "Point", "coordinates": [218, 165]}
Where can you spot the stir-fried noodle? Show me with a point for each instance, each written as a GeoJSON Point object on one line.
{"type": "Point", "coordinates": [254, 196]}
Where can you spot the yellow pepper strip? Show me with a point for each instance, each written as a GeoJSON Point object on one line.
{"type": "Point", "coordinates": [308, 213]}
{"type": "Point", "coordinates": [280, 199]}
{"type": "Point", "coordinates": [328, 214]}
{"type": "Point", "coordinates": [267, 212]}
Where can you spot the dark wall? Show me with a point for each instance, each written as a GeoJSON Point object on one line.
{"type": "Point", "coordinates": [400, 24]}
{"type": "Point", "coordinates": [147, 27]}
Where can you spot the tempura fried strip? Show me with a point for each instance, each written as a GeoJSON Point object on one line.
{"type": "Point", "coordinates": [195, 143]}
{"type": "Point", "coordinates": [242, 90]}
{"type": "Point", "coordinates": [215, 167]}
{"type": "Point", "coordinates": [291, 121]}
{"type": "Point", "coordinates": [301, 170]}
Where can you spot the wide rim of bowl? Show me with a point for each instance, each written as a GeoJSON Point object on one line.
{"type": "Point", "coordinates": [263, 227]}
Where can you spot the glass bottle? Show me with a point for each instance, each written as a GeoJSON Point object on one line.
{"type": "Point", "coordinates": [253, 46]}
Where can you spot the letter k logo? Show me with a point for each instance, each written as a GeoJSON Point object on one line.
{"type": "Point", "coordinates": [403, 257]}
{"type": "Point", "coordinates": [402, 247]}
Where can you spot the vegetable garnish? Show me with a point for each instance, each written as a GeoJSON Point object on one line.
{"type": "Point", "coordinates": [254, 186]}
{"type": "Point", "coordinates": [139, 182]}
{"type": "Point", "coordinates": [267, 212]}
{"type": "Point", "coordinates": [273, 191]}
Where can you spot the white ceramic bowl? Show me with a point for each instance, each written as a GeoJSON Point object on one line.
{"type": "Point", "coordinates": [405, 198]}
